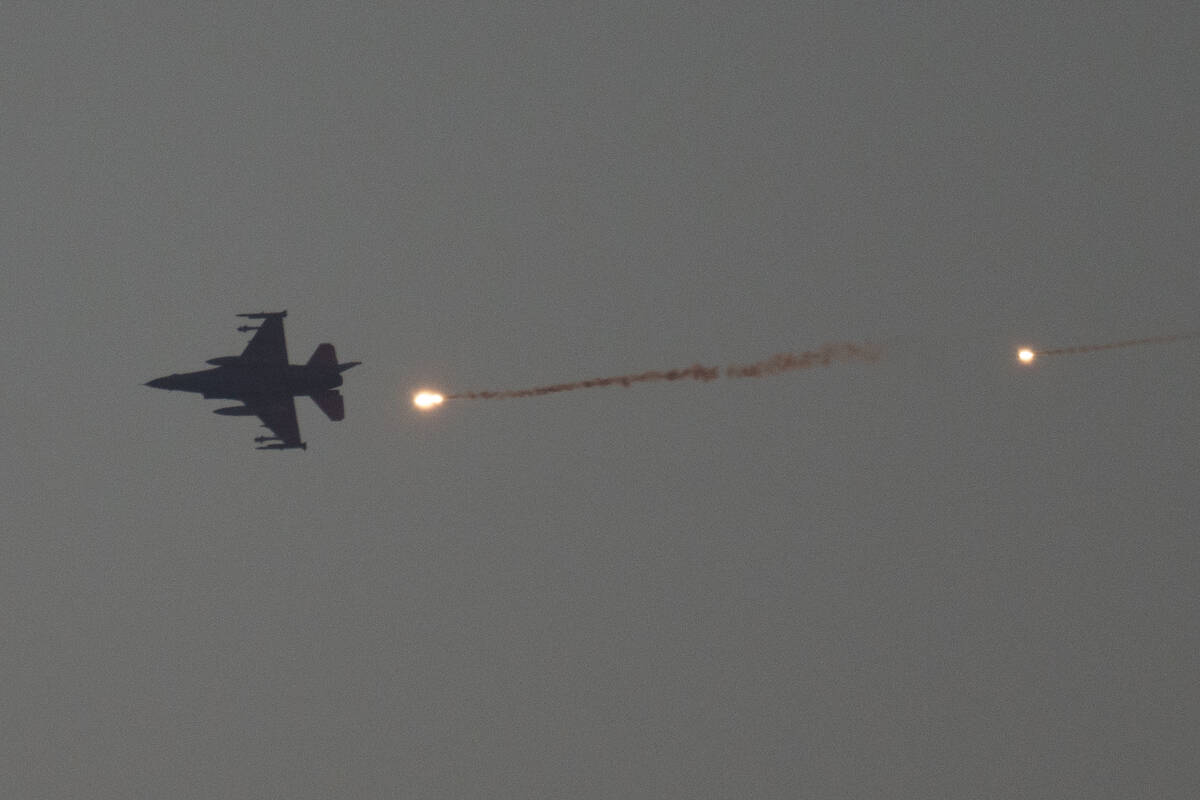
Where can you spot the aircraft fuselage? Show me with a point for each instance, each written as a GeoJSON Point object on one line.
{"type": "Point", "coordinates": [236, 382]}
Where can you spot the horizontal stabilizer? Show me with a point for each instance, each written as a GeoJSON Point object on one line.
{"type": "Point", "coordinates": [330, 401]}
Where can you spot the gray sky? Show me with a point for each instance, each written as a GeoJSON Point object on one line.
{"type": "Point", "coordinates": [942, 575]}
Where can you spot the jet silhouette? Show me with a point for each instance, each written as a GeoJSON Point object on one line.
{"type": "Point", "coordinates": [263, 380]}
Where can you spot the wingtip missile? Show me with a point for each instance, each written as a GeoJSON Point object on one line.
{"type": "Point", "coordinates": [244, 328]}
{"type": "Point", "coordinates": [281, 446]}
{"type": "Point", "coordinates": [264, 314]}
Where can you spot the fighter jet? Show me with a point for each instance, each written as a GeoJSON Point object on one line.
{"type": "Point", "coordinates": [263, 380]}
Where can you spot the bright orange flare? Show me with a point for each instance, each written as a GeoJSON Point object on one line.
{"type": "Point", "coordinates": [427, 400]}
{"type": "Point", "coordinates": [1026, 355]}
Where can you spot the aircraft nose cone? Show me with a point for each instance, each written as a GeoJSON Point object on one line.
{"type": "Point", "coordinates": [157, 383]}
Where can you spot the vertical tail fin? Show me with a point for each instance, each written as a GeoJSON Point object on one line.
{"type": "Point", "coordinates": [324, 356]}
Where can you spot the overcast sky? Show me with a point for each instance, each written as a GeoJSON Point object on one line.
{"type": "Point", "coordinates": [941, 575]}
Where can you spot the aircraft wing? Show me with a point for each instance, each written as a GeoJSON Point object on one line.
{"type": "Point", "coordinates": [278, 412]}
{"type": "Point", "coordinates": [268, 345]}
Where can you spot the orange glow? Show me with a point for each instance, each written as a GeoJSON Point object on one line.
{"type": "Point", "coordinates": [426, 400]}
{"type": "Point", "coordinates": [1026, 355]}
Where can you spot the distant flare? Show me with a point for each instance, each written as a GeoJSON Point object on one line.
{"type": "Point", "coordinates": [427, 400]}
{"type": "Point", "coordinates": [1027, 355]}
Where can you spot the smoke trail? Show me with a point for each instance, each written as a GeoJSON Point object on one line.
{"type": "Point", "coordinates": [786, 362]}
{"type": "Point", "coordinates": [1093, 348]}
{"type": "Point", "coordinates": [776, 364]}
